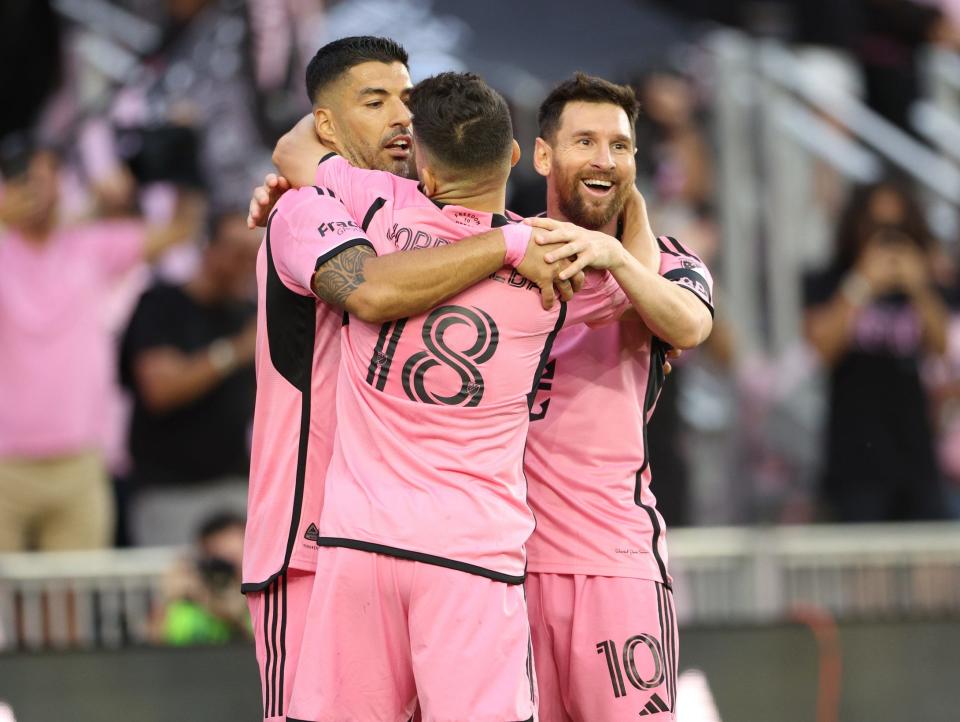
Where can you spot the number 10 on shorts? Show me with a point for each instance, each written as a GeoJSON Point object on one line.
{"type": "Point", "coordinates": [629, 666]}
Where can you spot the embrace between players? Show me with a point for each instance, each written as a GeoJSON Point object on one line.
{"type": "Point", "coordinates": [450, 511]}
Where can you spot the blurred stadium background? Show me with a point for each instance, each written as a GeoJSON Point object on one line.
{"type": "Point", "coordinates": [761, 120]}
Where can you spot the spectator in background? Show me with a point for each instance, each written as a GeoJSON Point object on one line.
{"type": "Point", "coordinates": [872, 316]}
{"type": "Point", "coordinates": [203, 603]}
{"type": "Point", "coordinates": [55, 352]}
{"type": "Point", "coordinates": [675, 154]}
{"type": "Point", "coordinates": [187, 358]}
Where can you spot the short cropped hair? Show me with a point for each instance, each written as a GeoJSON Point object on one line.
{"type": "Point", "coordinates": [337, 57]}
{"type": "Point", "coordinates": [461, 121]}
{"type": "Point", "coordinates": [586, 89]}
{"type": "Point", "coordinates": [217, 522]}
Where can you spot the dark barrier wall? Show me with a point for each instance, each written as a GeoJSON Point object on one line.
{"type": "Point", "coordinates": [892, 672]}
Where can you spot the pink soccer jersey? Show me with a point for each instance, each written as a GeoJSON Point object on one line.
{"type": "Point", "coordinates": [586, 457]}
{"type": "Point", "coordinates": [297, 357]}
{"type": "Point", "coordinates": [433, 410]}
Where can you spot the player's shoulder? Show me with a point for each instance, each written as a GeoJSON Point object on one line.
{"type": "Point", "coordinates": [670, 246]}
{"type": "Point", "coordinates": [367, 178]}
{"type": "Point", "coordinates": [296, 198]}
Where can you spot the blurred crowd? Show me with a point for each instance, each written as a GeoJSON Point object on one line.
{"type": "Point", "coordinates": [126, 290]}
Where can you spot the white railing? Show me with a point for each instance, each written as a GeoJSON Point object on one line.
{"type": "Point", "coordinates": [722, 575]}
{"type": "Point", "coordinates": [87, 599]}
{"type": "Point", "coordinates": [851, 571]}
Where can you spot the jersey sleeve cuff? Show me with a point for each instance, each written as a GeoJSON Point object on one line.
{"type": "Point", "coordinates": [340, 249]}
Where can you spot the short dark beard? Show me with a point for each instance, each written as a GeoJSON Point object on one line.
{"type": "Point", "coordinates": [372, 159]}
{"type": "Point", "coordinates": [576, 210]}
{"type": "Point", "coordinates": [402, 168]}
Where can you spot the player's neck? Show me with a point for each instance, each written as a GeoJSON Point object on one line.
{"type": "Point", "coordinates": [488, 198]}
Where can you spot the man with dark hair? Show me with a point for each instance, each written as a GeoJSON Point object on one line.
{"type": "Point", "coordinates": [349, 81]}
{"type": "Point", "coordinates": [443, 127]}
{"type": "Point", "coordinates": [315, 263]}
{"type": "Point", "coordinates": [202, 602]}
{"type": "Point", "coordinates": [604, 196]}
{"type": "Point", "coordinates": [601, 608]}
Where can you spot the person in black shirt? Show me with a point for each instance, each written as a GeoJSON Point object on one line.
{"type": "Point", "coordinates": [187, 357]}
{"type": "Point", "coordinates": [872, 316]}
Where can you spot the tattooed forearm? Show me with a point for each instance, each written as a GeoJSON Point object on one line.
{"type": "Point", "coordinates": [336, 279]}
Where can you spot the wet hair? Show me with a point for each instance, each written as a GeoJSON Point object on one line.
{"type": "Point", "coordinates": [856, 226]}
{"type": "Point", "coordinates": [336, 58]}
{"type": "Point", "coordinates": [585, 89]}
{"type": "Point", "coordinates": [461, 122]}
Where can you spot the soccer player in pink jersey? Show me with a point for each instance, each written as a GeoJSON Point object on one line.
{"type": "Point", "coordinates": [418, 593]}
{"type": "Point", "coordinates": [598, 589]}
{"type": "Point", "coordinates": [315, 262]}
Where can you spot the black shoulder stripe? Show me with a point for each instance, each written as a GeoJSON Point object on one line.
{"type": "Point", "coordinates": [331, 193]}
{"type": "Point", "coordinates": [328, 156]}
{"type": "Point", "coordinates": [319, 190]}
{"type": "Point", "coordinates": [664, 248]}
{"type": "Point", "coordinates": [681, 249]}
{"type": "Point", "coordinates": [371, 212]}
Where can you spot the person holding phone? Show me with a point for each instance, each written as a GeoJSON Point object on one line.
{"type": "Point", "coordinates": [872, 316]}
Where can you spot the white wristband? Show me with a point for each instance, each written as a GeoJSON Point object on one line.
{"type": "Point", "coordinates": [517, 237]}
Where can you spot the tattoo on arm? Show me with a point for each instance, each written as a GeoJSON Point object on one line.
{"type": "Point", "coordinates": [336, 279]}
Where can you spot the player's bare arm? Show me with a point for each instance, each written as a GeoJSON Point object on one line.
{"type": "Point", "coordinates": [450, 269]}
{"type": "Point", "coordinates": [638, 236]}
{"type": "Point", "coordinates": [641, 242]}
{"type": "Point", "coordinates": [298, 152]}
{"type": "Point", "coordinates": [385, 288]}
{"type": "Point", "coordinates": [671, 312]}
{"type": "Point", "coordinates": [337, 279]}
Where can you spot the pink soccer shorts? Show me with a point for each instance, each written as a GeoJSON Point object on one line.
{"type": "Point", "coordinates": [605, 648]}
{"type": "Point", "coordinates": [278, 614]}
{"type": "Point", "coordinates": [384, 632]}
